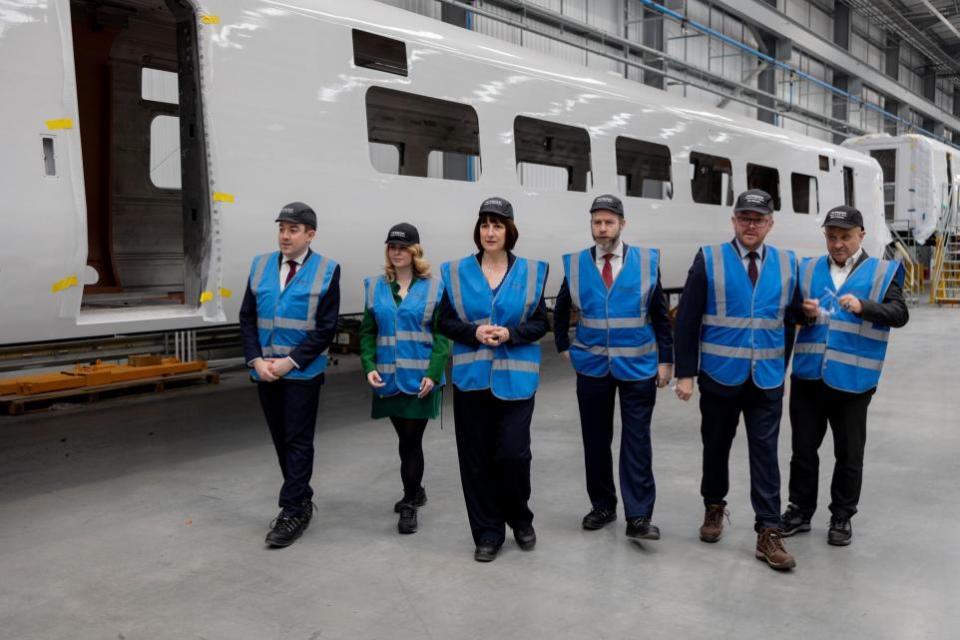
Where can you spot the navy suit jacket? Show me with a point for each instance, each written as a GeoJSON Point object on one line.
{"type": "Point", "coordinates": [318, 339]}
{"type": "Point", "coordinates": [693, 304]}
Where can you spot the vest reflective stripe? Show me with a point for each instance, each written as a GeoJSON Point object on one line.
{"type": "Point", "coordinates": [404, 332]}
{"type": "Point", "coordinates": [742, 333]}
{"type": "Point", "coordinates": [284, 317]}
{"type": "Point", "coordinates": [842, 349]}
{"type": "Point", "coordinates": [613, 335]}
{"type": "Point", "coordinates": [511, 372]}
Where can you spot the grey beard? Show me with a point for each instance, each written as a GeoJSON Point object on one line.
{"type": "Point", "coordinates": [608, 244]}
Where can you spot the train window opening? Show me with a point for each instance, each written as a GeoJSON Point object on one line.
{"type": "Point", "coordinates": [888, 167]}
{"type": "Point", "coordinates": [848, 196]}
{"type": "Point", "coordinates": [158, 85]}
{"type": "Point", "coordinates": [806, 197]}
{"type": "Point", "coordinates": [644, 169]}
{"type": "Point", "coordinates": [711, 179]}
{"type": "Point", "coordinates": [144, 159]}
{"type": "Point", "coordinates": [413, 135]}
{"type": "Point", "coordinates": [379, 52]}
{"type": "Point", "coordinates": [49, 156]}
{"type": "Point", "coordinates": [766, 178]}
{"type": "Point", "coordinates": [824, 163]}
{"type": "Point", "coordinates": [551, 156]}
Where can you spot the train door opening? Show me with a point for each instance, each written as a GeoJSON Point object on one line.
{"type": "Point", "coordinates": [144, 160]}
{"type": "Point", "coordinates": [888, 166]}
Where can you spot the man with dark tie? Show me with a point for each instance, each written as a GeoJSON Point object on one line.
{"type": "Point", "coordinates": [288, 319]}
{"type": "Point", "coordinates": [734, 331]}
{"type": "Point", "coordinates": [623, 344]}
{"type": "Point", "coordinates": [852, 300]}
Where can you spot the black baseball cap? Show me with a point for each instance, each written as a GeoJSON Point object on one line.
{"type": "Point", "coordinates": [843, 217]}
{"type": "Point", "coordinates": [404, 234]}
{"type": "Point", "coordinates": [756, 200]}
{"type": "Point", "coordinates": [607, 202]}
{"type": "Point", "coordinates": [497, 206]}
{"type": "Point", "coordinates": [298, 213]}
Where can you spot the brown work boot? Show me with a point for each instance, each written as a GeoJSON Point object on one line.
{"type": "Point", "coordinates": [712, 528]}
{"type": "Point", "coordinates": [770, 548]}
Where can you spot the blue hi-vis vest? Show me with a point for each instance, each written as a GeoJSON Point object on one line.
{"type": "Point", "coordinates": [404, 332]}
{"type": "Point", "coordinates": [511, 372]}
{"type": "Point", "coordinates": [841, 349]}
{"type": "Point", "coordinates": [285, 317]}
{"type": "Point", "coordinates": [742, 332]}
{"type": "Point", "coordinates": [613, 335]}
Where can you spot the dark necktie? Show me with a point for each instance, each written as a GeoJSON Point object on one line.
{"type": "Point", "coordinates": [291, 273]}
{"type": "Point", "coordinates": [607, 272]}
{"type": "Point", "coordinates": [752, 268]}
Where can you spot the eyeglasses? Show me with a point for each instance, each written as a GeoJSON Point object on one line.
{"type": "Point", "coordinates": [751, 222]}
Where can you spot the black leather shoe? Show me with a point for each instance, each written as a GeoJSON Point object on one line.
{"type": "Point", "coordinates": [840, 533]}
{"type": "Point", "coordinates": [408, 519]}
{"type": "Point", "coordinates": [794, 520]}
{"type": "Point", "coordinates": [486, 552]}
{"type": "Point", "coordinates": [418, 500]}
{"type": "Point", "coordinates": [285, 530]}
{"type": "Point", "coordinates": [598, 519]}
{"type": "Point", "coordinates": [641, 529]}
{"type": "Point", "coordinates": [526, 537]}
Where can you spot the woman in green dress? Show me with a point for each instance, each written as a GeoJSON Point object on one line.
{"type": "Point", "coordinates": [404, 357]}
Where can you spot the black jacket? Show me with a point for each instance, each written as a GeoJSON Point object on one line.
{"type": "Point", "coordinates": [450, 324]}
{"type": "Point", "coordinates": [318, 339]}
{"type": "Point", "coordinates": [891, 311]}
{"type": "Point", "coordinates": [658, 311]}
{"type": "Point", "coordinates": [693, 304]}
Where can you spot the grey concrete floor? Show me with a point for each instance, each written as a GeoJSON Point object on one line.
{"type": "Point", "coordinates": [144, 518]}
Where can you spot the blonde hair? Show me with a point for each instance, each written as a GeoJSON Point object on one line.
{"type": "Point", "coordinates": [420, 267]}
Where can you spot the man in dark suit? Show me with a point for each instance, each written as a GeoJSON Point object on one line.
{"type": "Point", "coordinates": [623, 345]}
{"type": "Point", "coordinates": [288, 319]}
{"type": "Point", "coordinates": [734, 330]}
{"type": "Point", "coordinates": [852, 301]}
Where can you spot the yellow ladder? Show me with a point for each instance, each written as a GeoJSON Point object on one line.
{"type": "Point", "coordinates": [945, 271]}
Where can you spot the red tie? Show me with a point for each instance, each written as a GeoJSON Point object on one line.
{"type": "Point", "coordinates": [291, 273]}
{"type": "Point", "coordinates": [752, 268]}
{"type": "Point", "coordinates": [607, 272]}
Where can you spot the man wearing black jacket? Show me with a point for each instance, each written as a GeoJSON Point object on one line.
{"type": "Point", "coordinates": [734, 332]}
{"type": "Point", "coordinates": [852, 300]}
{"type": "Point", "coordinates": [288, 319]}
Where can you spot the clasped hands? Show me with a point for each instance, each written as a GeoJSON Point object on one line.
{"type": "Point", "coordinates": [426, 384]}
{"type": "Point", "coordinates": [492, 335]}
{"type": "Point", "coordinates": [272, 369]}
{"type": "Point", "coordinates": [850, 302]}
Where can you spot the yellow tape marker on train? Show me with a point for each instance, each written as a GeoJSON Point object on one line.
{"type": "Point", "coordinates": [222, 197]}
{"type": "Point", "coordinates": [66, 283]}
{"type": "Point", "coordinates": [225, 293]}
{"type": "Point", "coordinates": [62, 123]}
{"type": "Point", "coordinates": [206, 296]}
{"type": "Point", "coordinates": [210, 19]}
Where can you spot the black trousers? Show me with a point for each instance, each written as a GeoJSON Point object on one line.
{"type": "Point", "coordinates": [720, 415]}
{"type": "Point", "coordinates": [290, 407]}
{"type": "Point", "coordinates": [812, 406]}
{"type": "Point", "coordinates": [493, 446]}
{"type": "Point", "coordinates": [596, 398]}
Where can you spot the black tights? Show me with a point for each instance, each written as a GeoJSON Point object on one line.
{"type": "Point", "coordinates": [410, 433]}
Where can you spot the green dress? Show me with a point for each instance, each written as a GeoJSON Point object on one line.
{"type": "Point", "coordinates": [404, 405]}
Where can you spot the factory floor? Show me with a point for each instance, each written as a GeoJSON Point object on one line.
{"type": "Point", "coordinates": [145, 518]}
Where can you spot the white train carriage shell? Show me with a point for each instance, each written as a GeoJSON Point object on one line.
{"type": "Point", "coordinates": [371, 114]}
{"type": "Point", "coordinates": [920, 176]}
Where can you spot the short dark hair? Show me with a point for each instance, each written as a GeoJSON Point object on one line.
{"type": "Point", "coordinates": [512, 234]}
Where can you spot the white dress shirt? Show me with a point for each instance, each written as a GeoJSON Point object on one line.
{"type": "Point", "coordinates": [285, 267]}
{"type": "Point", "coordinates": [839, 273]}
{"type": "Point", "coordinates": [616, 262]}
